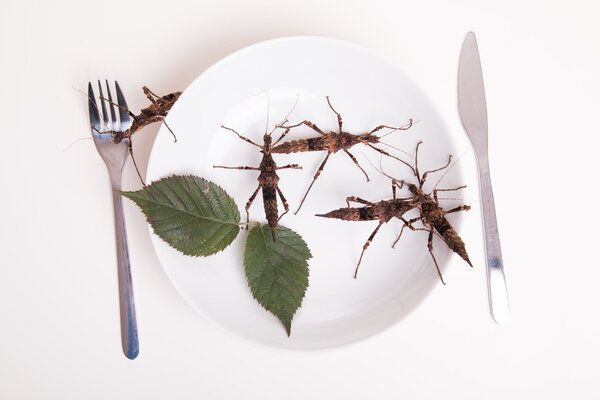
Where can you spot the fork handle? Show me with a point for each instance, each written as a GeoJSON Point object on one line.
{"type": "Point", "coordinates": [129, 333]}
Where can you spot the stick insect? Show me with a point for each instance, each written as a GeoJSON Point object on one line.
{"type": "Point", "coordinates": [268, 180]}
{"type": "Point", "coordinates": [156, 112]}
{"type": "Point", "coordinates": [383, 211]}
{"type": "Point", "coordinates": [332, 142]}
{"type": "Point", "coordinates": [432, 216]}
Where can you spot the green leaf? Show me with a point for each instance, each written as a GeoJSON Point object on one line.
{"type": "Point", "coordinates": [193, 215]}
{"type": "Point", "coordinates": [277, 272]}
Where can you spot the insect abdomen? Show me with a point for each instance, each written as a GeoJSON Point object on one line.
{"type": "Point", "coordinates": [451, 238]}
{"type": "Point", "coordinates": [352, 214]}
{"type": "Point", "coordinates": [270, 203]}
{"type": "Point", "coordinates": [300, 145]}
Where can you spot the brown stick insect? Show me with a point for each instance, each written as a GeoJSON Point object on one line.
{"type": "Point", "coordinates": [383, 211]}
{"type": "Point", "coordinates": [332, 142]}
{"type": "Point", "coordinates": [432, 216]}
{"type": "Point", "coordinates": [268, 180]}
{"type": "Point", "coordinates": [156, 112]}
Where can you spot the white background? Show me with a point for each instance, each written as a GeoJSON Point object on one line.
{"type": "Point", "coordinates": [59, 335]}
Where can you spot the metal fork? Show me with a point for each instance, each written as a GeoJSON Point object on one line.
{"type": "Point", "coordinates": [114, 155]}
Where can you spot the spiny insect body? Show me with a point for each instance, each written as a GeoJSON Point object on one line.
{"type": "Point", "coordinates": [434, 217]}
{"type": "Point", "coordinates": [382, 211]}
{"type": "Point", "coordinates": [332, 142]}
{"type": "Point", "coordinates": [268, 180]}
{"type": "Point", "coordinates": [431, 215]}
{"type": "Point", "coordinates": [156, 112]}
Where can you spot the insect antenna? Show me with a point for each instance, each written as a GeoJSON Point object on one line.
{"type": "Point", "coordinates": [397, 148]}
{"type": "Point", "coordinates": [101, 112]}
{"type": "Point", "coordinates": [454, 198]}
{"type": "Point", "coordinates": [91, 101]}
{"type": "Point", "coordinates": [117, 105]}
{"type": "Point", "coordinates": [285, 119]}
{"type": "Point", "coordinates": [383, 152]}
{"type": "Point", "coordinates": [448, 170]}
{"type": "Point", "coordinates": [77, 141]}
{"type": "Point", "coordinates": [380, 169]}
{"type": "Point", "coordinates": [268, 109]}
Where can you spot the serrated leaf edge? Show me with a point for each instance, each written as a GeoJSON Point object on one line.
{"type": "Point", "coordinates": [265, 237]}
{"type": "Point", "coordinates": [132, 196]}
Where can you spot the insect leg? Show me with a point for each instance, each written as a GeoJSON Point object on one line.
{"type": "Point", "coordinates": [286, 207]}
{"type": "Point", "coordinates": [385, 153]}
{"type": "Point", "coordinates": [249, 203]}
{"type": "Point", "coordinates": [357, 164]}
{"type": "Point", "coordinates": [358, 200]}
{"type": "Point", "coordinates": [402, 128]}
{"type": "Point", "coordinates": [409, 225]}
{"type": "Point", "coordinates": [130, 147]}
{"type": "Point", "coordinates": [339, 117]}
{"type": "Point", "coordinates": [412, 221]}
{"type": "Point", "coordinates": [281, 137]}
{"type": "Point", "coordinates": [416, 170]}
{"type": "Point", "coordinates": [380, 127]}
{"type": "Point", "coordinates": [435, 196]}
{"type": "Point", "coordinates": [151, 96]}
{"type": "Point", "coordinates": [132, 115]}
{"type": "Point", "coordinates": [314, 179]}
{"type": "Point", "coordinates": [400, 235]}
{"type": "Point", "coordinates": [368, 242]}
{"type": "Point", "coordinates": [309, 124]}
{"type": "Point", "coordinates": [430, 247]}
{"type": "Point", "coordinates": [242, 167]}
{"type": "Point", "coordinates": [395, 185]}
{"type": "Point", "coordinates": [293, 166]}
{"type": "Point", "coordinates": [459, 208]}
{"type": "Point", "coordinates": [170, 130]}
{"type": "Point", "coordinates": [436, 170]}
{"type": "Point", "coordinates": [242, 137]}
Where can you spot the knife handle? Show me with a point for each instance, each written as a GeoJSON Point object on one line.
{"type": "Point", "coordinates": [497, 293]}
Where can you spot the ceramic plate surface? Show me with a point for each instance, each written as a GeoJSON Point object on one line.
{"type": "Point", "coordinates": [251, 91]}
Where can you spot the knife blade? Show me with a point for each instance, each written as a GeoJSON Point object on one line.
{"type": "Point", "coordinates": [473, 114]}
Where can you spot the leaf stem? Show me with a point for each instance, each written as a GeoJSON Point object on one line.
{"type": "Point", "coordinates": [253, 223]}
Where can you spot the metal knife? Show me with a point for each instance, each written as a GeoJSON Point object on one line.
{"type": "Point", "coordinates": [473, 114]}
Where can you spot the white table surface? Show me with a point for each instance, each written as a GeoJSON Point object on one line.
{"type": "Point", "coordinates": [59, 335]}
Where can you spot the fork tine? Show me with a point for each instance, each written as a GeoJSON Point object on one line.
{"type": "Point", "coordinates": [111, 105]}
{"type": "Point", "coordinates": [123, 109]}
{"type": "Point", "coordinates": [103, 103]}
{"type": "Point", "coordinates": [93, 108]}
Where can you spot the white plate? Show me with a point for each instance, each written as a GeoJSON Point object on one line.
{"type": "Point", "coordinates": [367, 91]}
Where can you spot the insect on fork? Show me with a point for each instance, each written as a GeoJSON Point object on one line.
{"type": "Point", "coordinates": [156, 112]}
